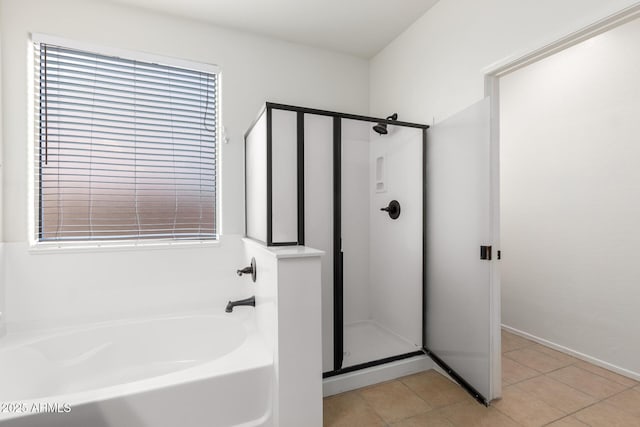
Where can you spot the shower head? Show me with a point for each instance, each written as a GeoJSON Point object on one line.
{"type": "Point", "coordinates": [381, 128]}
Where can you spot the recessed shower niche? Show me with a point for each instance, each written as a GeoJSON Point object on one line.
{"type": "Point", "coordinates": [356, 188]}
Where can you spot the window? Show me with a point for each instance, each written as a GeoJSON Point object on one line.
{"type": "Point", "coordinates": [124, 149]}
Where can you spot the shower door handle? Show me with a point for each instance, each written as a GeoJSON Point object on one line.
{"type": "Point", "coordinates": [393, 209]}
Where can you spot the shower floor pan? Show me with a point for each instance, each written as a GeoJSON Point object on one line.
{"type": "Point", "coordinates": [367, 341]}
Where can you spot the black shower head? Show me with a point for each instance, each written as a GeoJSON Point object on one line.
{"type": "Point", "coordinates": [381, 128]}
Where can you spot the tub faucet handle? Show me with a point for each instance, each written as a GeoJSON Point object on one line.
{"type": "Point", "coordinates": [249, 270]}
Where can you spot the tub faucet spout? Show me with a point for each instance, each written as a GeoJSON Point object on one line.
{"type": "Point", "coordinates": [247, 301]}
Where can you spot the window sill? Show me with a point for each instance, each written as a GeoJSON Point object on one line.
{"type": "Point", "coordinates": [125, 245]}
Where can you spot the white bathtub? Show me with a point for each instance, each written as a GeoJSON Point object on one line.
{"type": "Point", "coordinates": [210, 369]}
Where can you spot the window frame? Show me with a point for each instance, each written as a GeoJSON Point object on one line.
{"type": "Point", "coordinates": [38, 246]}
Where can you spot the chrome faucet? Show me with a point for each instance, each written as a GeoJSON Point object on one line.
{"type": "Point", "coordinates": [247, 301]}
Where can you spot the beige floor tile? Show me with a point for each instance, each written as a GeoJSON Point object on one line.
{"type": "Point", "coordinates": [587, 382]}
{"type": "Point", "coordinates": [605, 415]}
{"type": "Point", "coordinates": [568, 422]}
{"type": "Point", "coordinates": [555, 354]}
{"type": "Point", "coordinates": [606, 373]}
{"type": "Point", "coordinates": [530, 397]}
{"type": "Point", "coordinates": [435, 389]}
{"type": "Point", "coordinates": [349, 410]}
{"type": "Point", "coordinates": [556, 394]}
{"type": "Point", "coordinates": [525, 408]}
{"type": "Point", "coordinates": [472, 414]}
{"type": "Point", "coordinates": [429, 419]}
{"type": "Point", "coordinates": [393, 401]}
{"type": "Point", "coordinates": [512, 342]}
{"type": "Point", "coordinates": [628, 401]}
{"type": "Point", "coordinates": [536, 360]}
{"type": "Point", "coordinates": [514, 372]}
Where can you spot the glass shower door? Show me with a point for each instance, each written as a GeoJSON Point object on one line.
{"type": "Point", "coordinates": [459, 328]}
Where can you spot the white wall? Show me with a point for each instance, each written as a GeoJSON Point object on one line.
{"type": "Point", "coordinates": [299, 342]}
{"type": "Point", "coordinates": [255, 69]}
{"type": "Point", "coordinates": [47, 289]}
{"type": "Point", "coordinates": [289, 312]}
{"type": "Point", "coordinates": [570, 205]}
{"type": "Point", "coordinates": [435, 68]}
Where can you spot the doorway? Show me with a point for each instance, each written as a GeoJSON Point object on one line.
{"type": "Point", "coordinates": [569, 154]}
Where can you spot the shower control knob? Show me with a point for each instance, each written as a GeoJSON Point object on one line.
{"type": "Point", "coordinates": [249, 270]}
{"type": "Point", "coordinates": [393, 209]}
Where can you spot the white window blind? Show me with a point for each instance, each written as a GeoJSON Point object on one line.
{"type": "Point", "coordinates": [125, 149]}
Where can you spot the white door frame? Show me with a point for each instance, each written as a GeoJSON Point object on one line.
{"type": "Point", "coordinates": [492, 75]}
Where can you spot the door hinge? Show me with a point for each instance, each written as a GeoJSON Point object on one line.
{"type": "Point", "coordinates": [485, 252]}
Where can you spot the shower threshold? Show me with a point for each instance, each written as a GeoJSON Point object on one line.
{"type": "Point", "coordinates": [368, 344]}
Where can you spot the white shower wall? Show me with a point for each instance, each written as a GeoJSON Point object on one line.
{"type": "Point", "coordinates": [382, 257]}
{"type": "Point", "coordinates": [395, 251]}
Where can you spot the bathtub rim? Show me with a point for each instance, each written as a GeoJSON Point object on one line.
{"type": "Point", "coordinates": [32, 332]}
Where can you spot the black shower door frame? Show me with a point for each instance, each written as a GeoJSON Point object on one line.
{"type": "Point", "coordinates": [338, 288]}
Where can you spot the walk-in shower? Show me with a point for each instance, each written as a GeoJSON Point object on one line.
{"type": "Point", "coordinates": [380, 220]}
{"type": "Point", "coordinates": [352, 186]}
{"type": "Point", "coordinates": [403, 214]}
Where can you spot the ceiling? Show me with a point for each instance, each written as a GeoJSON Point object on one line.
{"type": "Point", "coordinates": [358, 27]}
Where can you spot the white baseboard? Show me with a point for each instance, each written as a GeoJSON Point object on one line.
{"type": "Point", "coordinates": [375, 374]}
{"type": "Point", "coordinates": [576, 354]}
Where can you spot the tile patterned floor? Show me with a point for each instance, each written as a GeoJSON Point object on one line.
{"type": "Point", "coordinates": [542, 387]}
